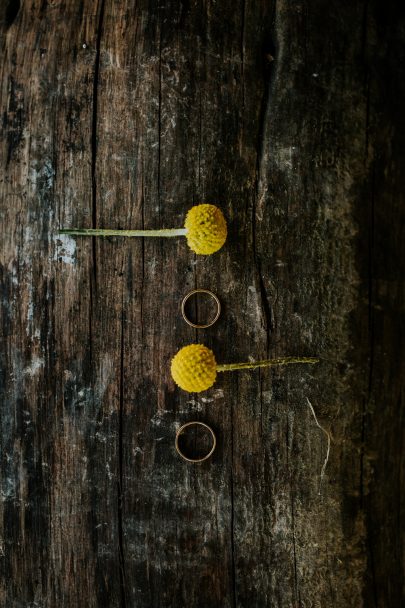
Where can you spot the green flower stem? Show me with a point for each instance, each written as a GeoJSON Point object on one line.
{"type": "Point", "coordinates": [229, 367]}
{"type": "Point", "coordinates": [108, 232]}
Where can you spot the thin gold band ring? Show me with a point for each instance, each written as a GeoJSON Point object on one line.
{"type": "Point", "coordinates": [205, 426]}
{"type": "Point", "coordinates": [183, 308]}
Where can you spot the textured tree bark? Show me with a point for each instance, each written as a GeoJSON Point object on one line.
{"type": "Point", "coordinates": [123, 114]}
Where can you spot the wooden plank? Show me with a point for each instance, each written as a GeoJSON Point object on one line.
{"type": "Point", "coordinates": [58, 431]}
{"type": "Point", "coordinates": [382, 271]}
{"type": "Point", "coordinates": [123, 115]}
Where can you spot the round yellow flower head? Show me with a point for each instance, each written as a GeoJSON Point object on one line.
{"type": "Point", "coordinates": [194, 368]}
{"type": "Point", "coordinates": [206, 229]}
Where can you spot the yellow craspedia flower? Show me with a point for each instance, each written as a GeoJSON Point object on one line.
{"type": "Point", "coordinates": [206, 229]}
{"type": "Point", "coordinates": [194, 368]}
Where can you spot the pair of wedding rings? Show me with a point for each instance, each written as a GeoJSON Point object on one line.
{"type": "Point", "coordinates": [196, 425]}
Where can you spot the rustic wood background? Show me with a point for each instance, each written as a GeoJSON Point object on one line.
{"type": "Point", "coordinates": [290, 116]}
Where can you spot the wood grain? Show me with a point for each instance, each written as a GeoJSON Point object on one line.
{"type": "Point", "coordinates": [123, 114]}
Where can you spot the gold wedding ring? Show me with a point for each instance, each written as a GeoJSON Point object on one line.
{"type": "Point", "coordinates": [182, 429]}
{"type": "Point", "coordinates": [183, 307]}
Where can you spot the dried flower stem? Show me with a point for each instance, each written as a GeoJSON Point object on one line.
{"type": "Point", "coordinates": [228, 367]}
{"type": "Point", "coordinates": [107, 232]}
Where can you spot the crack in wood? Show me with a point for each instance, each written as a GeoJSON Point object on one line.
{"type": "Point", "coordinates": [121, 461]}
{"type": "Point", "coordinates": [11, 12]}
{"type": "Point", "coordinates": [296, 589]}
{"type": "Point", "coordinates": [261, 139]}
{"type": "Point", "coordinates": [94, 136]}
{"type": "Point", "coordinates": [234, 588]}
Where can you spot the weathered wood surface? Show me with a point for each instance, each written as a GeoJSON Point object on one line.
{"type": "Point", "coordinates": [123, 114]}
